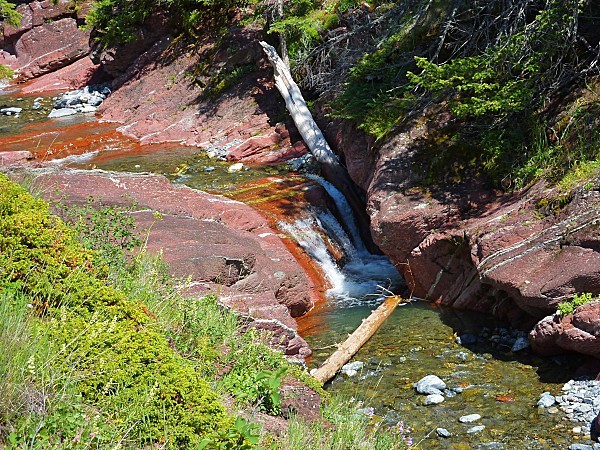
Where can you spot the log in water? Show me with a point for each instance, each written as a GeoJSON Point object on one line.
{"type": "Point", "coordinates": [356, 340]}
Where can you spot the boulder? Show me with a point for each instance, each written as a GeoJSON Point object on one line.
{"type": "Point", "coordinates": [74, 76]}
{"type": "Point", "coordinates": [49, 47]}
{"type": "Point", "coordinates": [577, 332]}
{"type": "Point", "coordinates": [35, 14]}
{"type": "Point", "coordinates": [466, 245]}
{"type": "Point", "coordinates": [431, 384]}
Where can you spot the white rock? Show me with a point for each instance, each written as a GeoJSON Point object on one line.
{"type": "Point", "coordinates": [352, 368]}
{"type": "Point", "coordinates": [10, 111]}
{"type": "Point", "coordinates": [476, 429]}
{"type": "Point", "coordinates": [431, 384]}
{"type": "Point", "coordinates": [469, 418]}
{"type": "Point", "coordinates": [235, 167]}
{"type": "Point", "coordinates": [442, 432]}
{"type": "Point", "coordinates": [62, 112]}
{"type": "Point", "coordinates": [434, 399]}
{"type": "Point", "coordinates": [546, 400]}
{"type": "Point", "coordinates": [87, 109]}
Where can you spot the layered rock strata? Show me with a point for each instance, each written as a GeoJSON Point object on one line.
{"type": "Point", "coordinates": [471, 247]}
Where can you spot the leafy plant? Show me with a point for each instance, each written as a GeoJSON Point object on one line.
{"type": "Point", "coordinates": [566, 308]}
{"type": "Point", "coordinates": [8, 13]}
{"type": "Point", "coordinates": [242, 435]}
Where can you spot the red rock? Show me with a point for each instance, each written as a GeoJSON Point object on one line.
{"type": "Point", "coordinates": [49, 47]}
{"type": "Point", "coordinates": [14, 158]}
{"type": "Point", "coordinates": [595, 429]}
{"type": "Point", "coordinates": [587, 318]}
{"type": "Point", "coordinates": [144, 103]}
{"type": "Point", "coordinates": [467, 246]}
{"type": "Point", "coordinates": [73, 76]}
{"type": "Point", "coordinates": [573, 333]}
{"type": "Point", "coordinates": [253, 146]}
{"type": "Point", "coordinates": [35, 14]}
{"type": "Point", "coordinates": [224, 246]}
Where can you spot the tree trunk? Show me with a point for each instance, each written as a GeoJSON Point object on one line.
{"type": "Point", "coordinates": [282, 41]}
{"type": "Point", "coordinates": [356, 340]}
{"type": "Point", "coordinates": [332, 170]}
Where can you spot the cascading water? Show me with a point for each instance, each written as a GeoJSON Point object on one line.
{"type": "Point", "coordinates": [364, 276]}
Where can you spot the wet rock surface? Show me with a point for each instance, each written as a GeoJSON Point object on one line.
{"type": "Point", "coordinates": [85, 100]}
{"type": "Point", "coordinates": [224, 246]}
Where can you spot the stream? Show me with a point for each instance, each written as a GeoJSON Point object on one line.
{"type": "Point", "coordinates": [485, 376]}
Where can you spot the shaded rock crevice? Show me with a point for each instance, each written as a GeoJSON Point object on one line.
{"type": "Point", "coordinates": [469, 246]}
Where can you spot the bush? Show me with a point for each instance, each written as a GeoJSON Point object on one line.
{"type": "Point", "coordinates": [566, 308]}
{"type": "Point", "coordinates": [93, 342]}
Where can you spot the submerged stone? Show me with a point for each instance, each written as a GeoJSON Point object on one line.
{"type": "Point", "coordinates": [431, 384]}
{"type": "Point", "coordinates": [469, 418]}
{"type": "Point", "coordinates": [442, 432]}
{"type": "Point", "coordinates": [546, 400]}
{"type": "Point", "coordinates": [434, 399]}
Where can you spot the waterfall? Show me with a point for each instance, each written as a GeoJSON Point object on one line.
{"type": "Point", "coordinates": [345, 210]}
{"type": "Point", "coordinates": [304, 231]}
{"type": "Point", "coordinates": [360, 280]}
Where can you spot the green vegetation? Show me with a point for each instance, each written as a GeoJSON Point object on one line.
{"type": "Point", "coordinates": [118, 21]}
{"type": "Point", "coordinates": [98, 348]}
{"type": "Point", "coordinates": [8, 14]}
{"type": "Point", "coordinates": [566, 308]}
{"type": "Point", "coordinates": [504, 85]}
{"type": "Point", "coordinates": [6, 73]}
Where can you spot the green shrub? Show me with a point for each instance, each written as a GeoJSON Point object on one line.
{"type": "Point", "coordinates": [119, 21]}
{"type": "Point", "coordinates": [566, 308]}
{"type": "Point", "coordinates": [103, 348]}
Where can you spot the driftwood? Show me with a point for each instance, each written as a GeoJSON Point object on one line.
{"type": "Point", "coordinates": [356, 340]}
{"type": "Point", "coordinates": [330, 165]}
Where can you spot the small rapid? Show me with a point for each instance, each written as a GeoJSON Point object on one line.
{"type": "Point", "coordinates": [359, 278]}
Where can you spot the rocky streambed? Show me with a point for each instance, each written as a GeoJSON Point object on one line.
{"type": "Point", "coordinates": [486, 395]}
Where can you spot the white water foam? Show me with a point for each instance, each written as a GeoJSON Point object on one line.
{"type": "Point", "coordinates": [345, 210]}
{"type": "Point", "coordinates": [72, 159]}
{"type": "Point", "coordinates": [364, 277]}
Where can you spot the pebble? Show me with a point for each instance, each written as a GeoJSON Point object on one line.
{"type": "Point", "coordinates": [431, 384]}
{"type": "Point", "coordinates": [235, 167]}
{"type": "Point", "coordinates": [434, 399]}
{"type": "Point", "coordinates": [10, 111]}
{"type": "Point", "coordinates": [580, 401]}
{"type": "Point", "coordinates": [491, 445]}
{"type": "Point", "coordinates": [442, 432]}
{"type": "Point", "coordinates": [580, 447]}
{"type": "Point", "coordinates": [466, 339]}
{"type": "Point", "coordinates": [469, 418]}
{"type": "Point", "coordinates": [352, 368]}
{"type": "Point", "coordinates": [546, 400]}
{"type": "Point", "coordinates": [520, 344]}
{"type": "Point", "coordinates": [476, 429]}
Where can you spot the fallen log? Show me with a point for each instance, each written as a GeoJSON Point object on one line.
{"type": "Point", "coordinates": [332, 169]}
{"type": "Point", "coordinates": [356, 340]}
